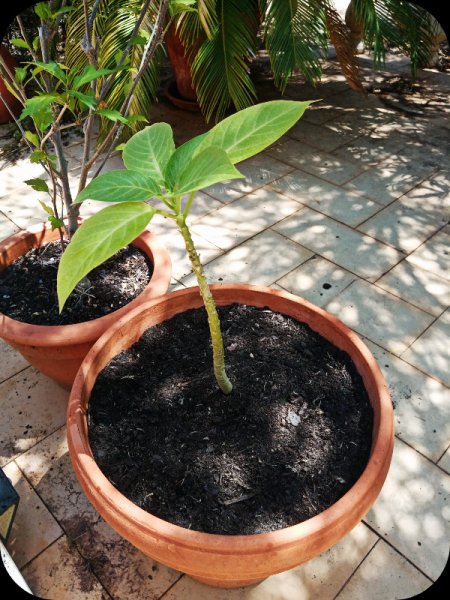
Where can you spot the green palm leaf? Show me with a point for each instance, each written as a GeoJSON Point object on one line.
{"type": "Point", "coordinates": [220, 71]}
{"type": "Point", "coordinates": [295, 37]}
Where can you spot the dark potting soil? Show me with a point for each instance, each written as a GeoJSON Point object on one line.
{"type": "Point", "coordinates": [28, 286]}
{"type": "Point", "coordinates": [292, 437]}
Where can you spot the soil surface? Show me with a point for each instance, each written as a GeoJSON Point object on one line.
{"type": "Point", "coordinates": [28, 286]}
{"type": "Point", "coordinates": [292, 437]}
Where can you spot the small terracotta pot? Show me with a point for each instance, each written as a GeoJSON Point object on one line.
{"type": "Point", "coordinates": [58, 350]}
{"type": "Point", "coordinates": [229, 560]}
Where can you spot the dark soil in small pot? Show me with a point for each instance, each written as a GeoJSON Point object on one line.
{"type": "Point", "coordinates": [291, 439]}
{"type": "Point", "coordinates": [28, 286]}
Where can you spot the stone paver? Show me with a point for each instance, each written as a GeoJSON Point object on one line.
{"type": "Point", "coordinates": [430, 352]}
{"type": "Point", "coordinates": [444, 463]}
{"type": "Point", "coordinates": [7, 227]}
{"type": "Point", "coordinates": [340, 244]}
{"type": "Point", "coordinates": [402, 579]}
{"type": "Point", "coordinates": [334, 169]}
{"type": "Point", "coordinates": [326, 198]}
{"type": "Point", "coordinates": [381, 317]}
{"type": "Point", "coordinates": [243, 218]}
{"type": "Point", "coordinates": [421, 404]}
{"type": "Point", "coordinates": [247, 263]}
{"type": "Point", "coordinates": [422, 288]}
{"type": "Point", "coordinates": [60, 572]}
{"type": "Point", "coordinates": [33, 517]}
{"type": "Point", "coordinates": [32, 406]}
{"type": "Point", "coordinates": [434, 254]}
{"type": "Point", "coordinates": [412, 512]}
{"type": "Point", "coordinates": [12, 362]}
{"type": "Point", "coordinates": [316, 280]}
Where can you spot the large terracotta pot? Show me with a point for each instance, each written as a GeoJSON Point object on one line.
{"type": "Point", "coordinates": [57, 351]}
{"type": "Point", "coordinates": [229, 560]}
{"type": "Point", "coordinates": [181, 64]}
{"type": "Point", "coordinates": [13, 103]}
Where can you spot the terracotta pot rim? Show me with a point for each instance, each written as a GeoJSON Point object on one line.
{"type": "Point", "coordinates": [63, 335]}
{"type": "Point", "coordinates": [227, 544]}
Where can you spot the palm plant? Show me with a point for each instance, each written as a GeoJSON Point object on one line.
{"type": "Point", "coordinates": [295, 34]}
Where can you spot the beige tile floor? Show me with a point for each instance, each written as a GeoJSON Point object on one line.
{"type": "Point", "coordinates": [356, 196]}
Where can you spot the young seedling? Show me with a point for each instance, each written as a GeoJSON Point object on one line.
{"type": "Point", "coordinates": [155, 169]}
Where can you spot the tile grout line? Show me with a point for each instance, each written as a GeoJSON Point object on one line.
{"type": "Point", "coordinates": [358, 565]}
{"type": "Point", "coordinates": [171, 586]}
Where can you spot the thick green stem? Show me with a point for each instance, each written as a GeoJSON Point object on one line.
{"type": "Point", "coordinates": [210, 306]}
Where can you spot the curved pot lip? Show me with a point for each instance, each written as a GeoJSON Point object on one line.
{"type": "Point", "coordinates": [63, 335]}
{"type": "Point", "coordinates": [381, 452]}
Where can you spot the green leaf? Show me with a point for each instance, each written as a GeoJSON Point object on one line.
{"type": "Point", "coordinates": [32, 137]}
{"type": "Point", "coordinates": [19, 43]}
{"type": "Point", "coordinates": [249, 131]}
{"type": "Point", "coordinates": [20, 74]}
{"type": "Point", "coordinates": [120, 186]}
{"type": "Point", "coordinates": [39, 108]}
{"type": "Point", "coordinates": [138, 40]}
{"type": "Point", "coordinates": [37, 156]}
{"type": "Point", "coordinates": [85, 99]}
{"type": "Point", "coordinates": [90, 73]}
{"type": "Point", "coordinates": [97, 239]}
{"type": "Point", "coordinates": [48, 209]}
{"type": "Point", "coordinates": [37, 184]}
{"type": "Point", "coordinates": [56, 223]}
{"type": "Point", "coordinates": [208, 167]}
{"type": "Point", "coordinates": [62, 11]}
{"type": "Point", "coordinates": [52, 67]}
{"type": "Point", "coordinates": [149, 151]}
{"type": "Point", "coordinates": [182, 156]}
{"type": "Point", "coordinates": [43, 11]}
{"type": "Point", "coordinates": [119, 147]}
{"type": "Point", "coordinates": [181, 6]}
{"type": "Point", "coordinates": [112, 115]}
{"type": "Point", "coordinates": [36, 43]}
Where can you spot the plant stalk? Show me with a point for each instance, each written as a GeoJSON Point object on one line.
{"type": "Point", "coordinates": [210, 306]}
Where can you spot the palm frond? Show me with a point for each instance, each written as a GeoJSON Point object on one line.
{"type": "Point", "coordinates": [402, 24]}
{"type": "Point", "coordinates": [295, 38]}
{"type": "Point", "coordinates": [341, 38]}
{"type": "Point", "coordinates": [220, 71]}
{"type": "Point", "coordinates": [113, 26]}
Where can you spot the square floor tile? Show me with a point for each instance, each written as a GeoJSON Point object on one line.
{"type": "Point", "coordinates": [7, 227]}
{"type": "Point", "coordinates": [61, 573]}
{"type": "Point", "coordinates": [258, 170]}
{"type": "Point", "coordinates": [318, 579]}
{"type": "Point", "coordinates": [331, 168]}
{"type": "Point", "coordinates": [349, 249]}
{"type": "Point", "coordinates": [125, 572]}
{"type": "Point", "coordinates": [403, 226]}
{"type": "Point", "coordinates": [417, 286]}
{"type": "Point", "coordinates": [412, 511]}
{"type": "Point", "coordinates": [34, 528]}
{"type": "Point", "coordinates": [11, 362]}
{"type": "Point", "coordinates": [434, 254]}
{"type": "Point", "coordinates": [388, 181]}
{"type": "Point", "coordinates": [260, 261]}
{"type": "Point", "coordinates": [384, 573]}
{"type": "Point", "coordinates": [326, 137]}
{"type": "Point", "coordinates": [48, 467]}
{"type": "Point", "coordinates": [32, 406]}
{"type": "Point", "coordinates": [369, 150]}
{"type": "Point", "coordinates": [421, 404]}
{"type": "Point", "coordinates": [431, 351]}
{"type": "Point", "coordinates": [317, 280]}
{"type": "Point", "coordinates": [444, 463]}
{"type": "Point", "coordinates": [379, 316]}
{"type": "Point", "coordinates": [243, 218]}
{"type": "Point", "coordinates": [331, 200]}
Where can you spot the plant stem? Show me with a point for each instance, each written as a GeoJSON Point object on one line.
{"type": "Point", "coordinates": [210, 306]}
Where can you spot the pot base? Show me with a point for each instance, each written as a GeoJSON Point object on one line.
{"type": "Point", "coordinates": [176, 99]}
{"type": "Point", "coordinates": [227, 583]}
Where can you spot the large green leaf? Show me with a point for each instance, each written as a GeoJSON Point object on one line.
{"type": "Point", "coordinates": [180, 160]}
{"type": "Point", "coordinates": [207, 167]}
{"type": "Point", "coordinates": [120, 186]}
{"type": "Point", "coordinates": [97, 239]}
{"type": "Point", "coordinates": [149, 151]}
{"type": "Point", "coordinates": [249, 131]}
{"type": "Point", "coordinates": [40, 109]}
